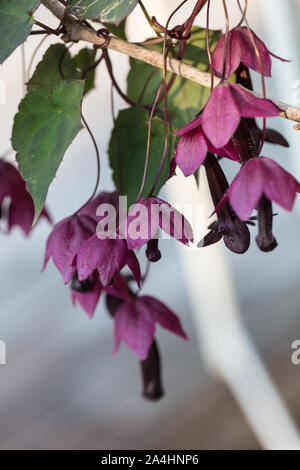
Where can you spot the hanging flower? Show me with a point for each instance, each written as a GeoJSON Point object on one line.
{"type": "Point", "coordinates": [193, 146]}
{"type": "Point", "coordinates": [20, 209]}
{"type": "Point", "coordinates": [135, 323]}
{"type": "Point", "coordinates": [147, 216]}
{"type": "Point", "coordinates": [260, 177]}
{"type": "Point", "coordinates": [240, 49]}
{"type": "Point", "coordinates": [226, 105]}
{"type": "Point", "coordinates": [64, 242]}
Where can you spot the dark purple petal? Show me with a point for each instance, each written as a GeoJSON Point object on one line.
{"type": "Point", "coordinates": [172, 221]}
{"type": "Point", "coordinates": [21, 213]}
{"type": "Point", "coordinates": [108, 256]}
{"type": "Point", "coordinates": [64, 242]}
{"type": "Point", "coordinates": [135, 326]}
{"type": "Point", "coordinates": [21, 207]}
{"type": "Point", "coordinates": [251, 59]}
{"type": "Point", "coordinates": [221, 116]}
{"type": "Point", "coordinates": [11, 182]}
{"type": "Point", "coordinates": [279, 185]}
{"type": "Point", "coordinates": [141, 225]}
{"type": "Point", "coordinates": [119, 288]}
{"type": "Point", "coordinates": [134, 266]}
{"type": "Point", "coordinates": [196, 122]}
{"type": "Point", "coordinates": [161, 314]}
{"type": "Point", "coordinates": [274, 137]}
{"type": "Point", "coordinates": [246, 189]}
{"type": "Point", "coordinates": [236, 49]}
{"type": "Point", "coordinates": [212, 237]}
{"type": "Point", "coordinates": [240, 49]}
{"type": "Point", "coordinates": [251, 106]}
{"type": "Point", "coordinates": [191, 151]}
{"type": "Point", "coordinates": [89, 299]}
{"type": "Point", "coordinates": [229, 151]}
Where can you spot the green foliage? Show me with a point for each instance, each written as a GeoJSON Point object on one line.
{"type": "Point", "coordinates": [16, 22]}
{"type": "Point", "coordinates": [110, 11]}
{"type": "Point", "coordinates": [118, 31]}
{"type": "Point", "coordinates": [84, 59]}
{"type": "Point", "coordinates": [45, 125]}
{"type": "Point", "coordinates": [57, 64]}
{"type": "Point", "coordinates": [127, 152]}
{"type": "Point", "coordinates": [185, 98]}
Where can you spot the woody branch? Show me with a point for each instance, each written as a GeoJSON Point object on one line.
{"type": "Point", "coordinates": [78, 32]}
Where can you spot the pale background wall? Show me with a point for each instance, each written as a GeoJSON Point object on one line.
{"type": "Point", "coordinates": [61, 387]}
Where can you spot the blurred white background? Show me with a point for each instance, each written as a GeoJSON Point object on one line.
{"type": "Point", "coordinates": [61, 387]}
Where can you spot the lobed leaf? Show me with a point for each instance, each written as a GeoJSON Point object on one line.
{"type": "Point", "coordinates": [16, 22]}
{"type": "Point", "coordinates": [127, 152]}
{"type": "Point", "coordinates": [45, 125]}
{"type": "Point", "coordinates": [58, 64]}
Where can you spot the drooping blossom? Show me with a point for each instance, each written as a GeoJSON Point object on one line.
{"type": "Point", "coordinates": [240, 49]}
{"type": "Point", "coordinates": [260, 177]}
{"type": "Point", "coordinates": [193, 146]}
{"type": "Point", "coordinates": [135, 323]}
{"type": "Point", "coordinates": [151, 366]}
{"type": "Point", "coordinates": [147, 216]}
{"type": "Point", "coordinates": [64, 242]}
{"type": "Point", "coordinates": [226, 105]}
{"type": "Point", "coordinates": [108, 256]}
{"type": "Point", "coordinates": [86, 293]}
{"type": "Point", "coordinates": [20, 208]}
{"type": "Point", "coordinates": [228, 226]}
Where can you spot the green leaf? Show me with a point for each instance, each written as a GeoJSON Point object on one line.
{"type": "Point", "coordinates": [119, 31]}
{"type": "Point", "coordinates": [57, 64]}
{"type": "Point", "coordinates": [16, 22]}
{"type": "Point", "coordinates": [127, 152]}
{"type": "Point", "coordinates": [185, 98]}
{"type": "Point", "coordinates": [84, 59]}
{"type": "Point", "coordinates": [45, 125]}
{"type": "Point", "coordinates": [110, 11]}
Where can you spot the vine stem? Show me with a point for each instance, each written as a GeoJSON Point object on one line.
{"type": "Point", "coordinates": [226, 39]}
{"type": "Point", "coordinates": [148, 144]}
{"type": "Point", "coordinates": [114, 81]}
{"type": "Point", "coordinates": [98, 164]}
{"type": "Point", "coordinates": [148, 18]}
{"type": "Point", "coordinates": [79, 32]}
{"type": "Point", "coordinates": [165, 56]}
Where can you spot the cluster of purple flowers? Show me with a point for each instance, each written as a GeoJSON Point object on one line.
{"type": "Point", "coordinates": [93, 264]}
{"type": "Point", "coordinates": [226, 127]}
